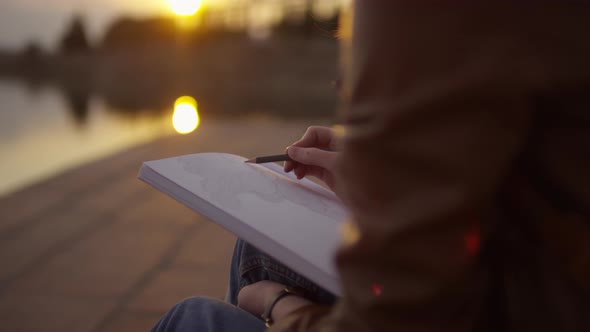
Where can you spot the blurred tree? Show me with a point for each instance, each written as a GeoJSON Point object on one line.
{"type": "Point", "coordinates": [32, 65]}
{"type": "Point", "coordinates": [128, 33]}
{"type": "Point", "coordinates": [32, 51]}
{"type": "Point", "coordinates": [75, 39]}
{"type": "Point", "coordinates": [308, 23]}
{"type": "Point", "coordinates": [78, 101]}
{"type": "Point", "coordinates": [302, 21]}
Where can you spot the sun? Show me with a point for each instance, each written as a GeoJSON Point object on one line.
{"type": "Point", "coordinates": [185, 7]}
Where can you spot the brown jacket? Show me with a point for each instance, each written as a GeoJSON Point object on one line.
{"type": "Point", "coordinates": [465, 163]}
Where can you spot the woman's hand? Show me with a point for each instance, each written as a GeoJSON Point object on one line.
{"type": "Point", "coordinates": [255, 298]}
{"type": "Point", "coordinates": [314, 155]}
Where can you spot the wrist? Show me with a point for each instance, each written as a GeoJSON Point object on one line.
{"type": "Point", "coordinates": [282, 303]}
{"type": "Point", "coordinates": [287, 305]}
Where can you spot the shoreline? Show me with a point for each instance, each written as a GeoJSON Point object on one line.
{"type": "Point", "coordinates": [292, 75]}
{"type": "Point", "coordinates": [145, 146]}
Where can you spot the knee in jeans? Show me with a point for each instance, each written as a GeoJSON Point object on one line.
{"type": "Point", "coordinates": [202, 304]}
{"type": "Point", "coordinates": [191, 304]}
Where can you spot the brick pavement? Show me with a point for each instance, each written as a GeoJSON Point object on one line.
{"type": "Point", "coordinates": [94, 249]}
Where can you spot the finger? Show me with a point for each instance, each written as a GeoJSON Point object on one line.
{"type": "Point", "coordinates": [313, 157]}
{"type": "Point", "coordinates": [300, 171]}
{"type": "Point", "coordinates": [316, 136]}
{"type": "Point", "coordinates": [315, 171]}
{"type": "Point", "coordinates": [288, 165]}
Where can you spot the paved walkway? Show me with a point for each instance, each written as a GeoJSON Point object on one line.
{"type": "Point", "coordinates": [95, 249]}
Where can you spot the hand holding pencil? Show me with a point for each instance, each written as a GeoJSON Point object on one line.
{"type": "Point", "coordinates": [314, 155]}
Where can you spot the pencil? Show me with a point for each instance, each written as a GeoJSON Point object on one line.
{"type": "Point", "coordinates": [269, 159]}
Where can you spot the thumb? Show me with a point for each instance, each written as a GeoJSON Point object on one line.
{"type": "Point", "coordinates": [313, 156]}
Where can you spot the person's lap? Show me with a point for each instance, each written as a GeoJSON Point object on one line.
{"type": "Point", "coordinates": [248, 266]}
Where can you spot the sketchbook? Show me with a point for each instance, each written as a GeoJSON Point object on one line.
{"type": "Point", "coordinates": [298, 222]}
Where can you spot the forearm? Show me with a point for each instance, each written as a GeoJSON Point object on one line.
{"type": "Point", "coordinates": [288, 305]}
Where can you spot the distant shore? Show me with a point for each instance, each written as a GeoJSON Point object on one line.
{"type": "Point", "coordinates": [290, 77]}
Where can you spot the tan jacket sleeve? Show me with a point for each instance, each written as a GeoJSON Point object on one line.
{"type": "Point", "coordinates": [435, 118]}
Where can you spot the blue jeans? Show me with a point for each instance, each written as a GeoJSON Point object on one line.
{"type": "Point", "coordinates": [248, 265]}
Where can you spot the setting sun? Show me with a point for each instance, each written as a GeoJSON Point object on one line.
{"type": "Point", "coordinates": [185, 7]}
{"type": "Point", "coordinates": [186, 117]}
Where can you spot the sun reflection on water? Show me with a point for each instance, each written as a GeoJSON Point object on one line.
{"type": "Point", "coordinates": [186, 117]}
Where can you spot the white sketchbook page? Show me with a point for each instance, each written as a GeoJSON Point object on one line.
{"type": "Point", "coordinates": [312, 185]}
{"type": "Point", "coordinates": [300, 215]}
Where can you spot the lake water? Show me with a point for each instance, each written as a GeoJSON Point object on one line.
{"type": "Point", "coordinates": [40, 136]}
